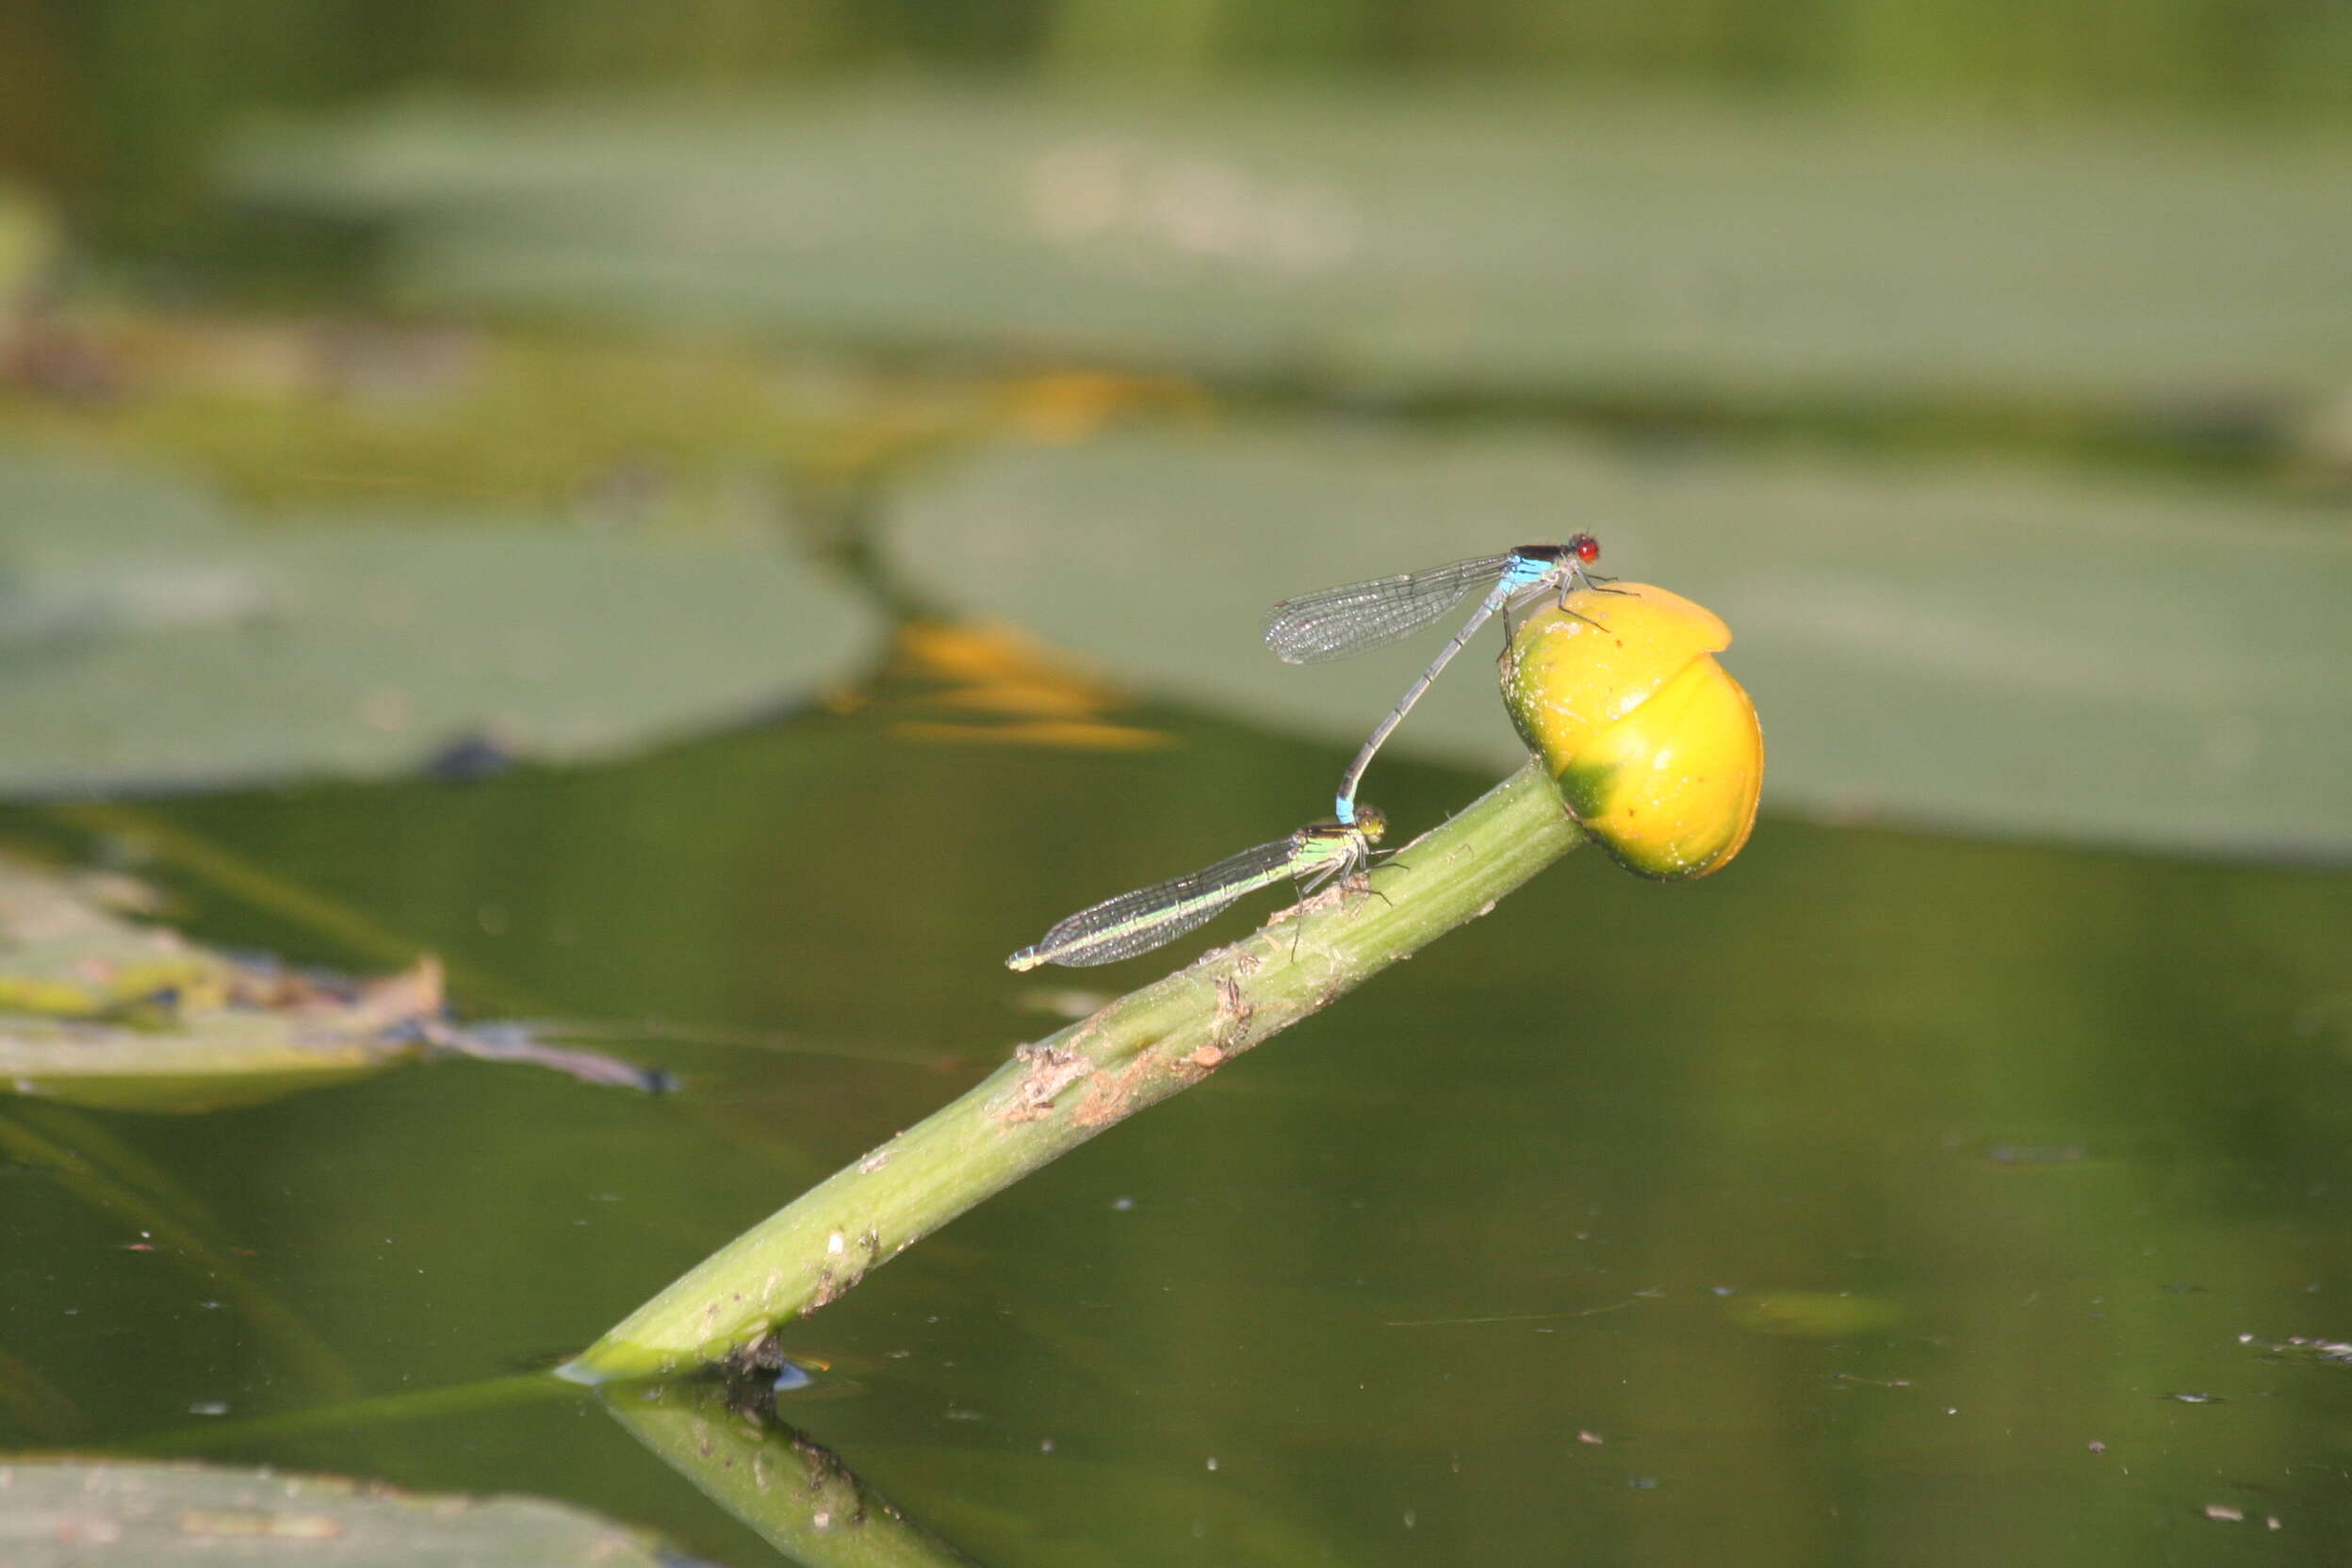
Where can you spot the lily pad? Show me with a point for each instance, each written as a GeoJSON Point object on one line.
{"type": "Point", "coordinates": [1993, 647]}
{"type": "Point", "coordinates": [1411, 241]}
{"type": "Point", "coordinates": [170, 649]}
{"type": "Point", "coordinates": [65, 1514]}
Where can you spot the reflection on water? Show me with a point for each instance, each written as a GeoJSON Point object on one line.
{"type": "Point", "coordinates": [1883, 1199]}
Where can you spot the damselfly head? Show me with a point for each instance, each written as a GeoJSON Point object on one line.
{"type": "Point", "coordinates": [1372, 823]}
{"type": "Point", "coordinates": [1581, 549]}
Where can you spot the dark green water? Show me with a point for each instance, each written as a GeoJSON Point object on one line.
{"type": "Point", "coordinates": [1876, 1200]}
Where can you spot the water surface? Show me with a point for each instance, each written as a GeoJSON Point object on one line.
{"type": "Point", "coordinates": [1883, 1198]}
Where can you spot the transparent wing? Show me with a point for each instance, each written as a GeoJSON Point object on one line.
{"type": "Point", "coordinates": [1360, 616]}
{"type": "Point", "coordinates": [1152, 917]}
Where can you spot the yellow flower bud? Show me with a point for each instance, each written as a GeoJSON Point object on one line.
{"type": "Point", "coordinates": [1656, 749]}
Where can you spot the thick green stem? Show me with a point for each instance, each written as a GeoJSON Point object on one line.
{"type": "Point", "coordinates": [1056, 1094]}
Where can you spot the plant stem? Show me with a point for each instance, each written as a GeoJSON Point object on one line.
{"type": "Point", "coordinates": [1061, 1091]}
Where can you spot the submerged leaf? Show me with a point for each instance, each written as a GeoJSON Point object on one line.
{"type": "Point", "coordinates": [99, 1010]}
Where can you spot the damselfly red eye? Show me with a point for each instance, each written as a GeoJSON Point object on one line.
{"type": "Point", "coordinates": [1585, 548]}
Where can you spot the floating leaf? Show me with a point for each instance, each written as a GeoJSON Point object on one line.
{"type": "Point", "coordinates": [215, 1060]}
{"type": "Point", "coordinates": [1411, 241]}
{"type": "Point", "coordinates": [94, 1515]}
{"type": "Point", "coordinates": [1994, 647]}
{"type": "Point", "coordinates": [98, 1011]}
{"type": "Point", "coordinates": [187, 654]}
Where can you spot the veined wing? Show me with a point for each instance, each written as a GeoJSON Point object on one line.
{"type": "Point", "coordinates": [1151, 917]}
{"type": "Point", "coordinates": [1360, 617]}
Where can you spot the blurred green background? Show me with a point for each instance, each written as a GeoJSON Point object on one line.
{"type": "Point", "coordinates": [719, 521]}
{"type": "Point", "coordinates": [119, 100]}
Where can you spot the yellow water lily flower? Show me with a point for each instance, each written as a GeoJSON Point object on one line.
{"type": "Point", "coordinates": [1656, 749]}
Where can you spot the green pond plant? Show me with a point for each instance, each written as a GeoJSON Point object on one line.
{"type": "Point", "coordinates": [1641, 742]}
